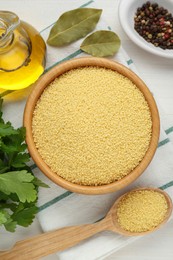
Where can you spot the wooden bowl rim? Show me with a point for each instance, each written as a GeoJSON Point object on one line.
{"type": "Point", "coordinates": [46, 79]}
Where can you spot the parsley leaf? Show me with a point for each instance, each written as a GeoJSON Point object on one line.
{"type": "Point", "coordinates": [19, 160]}
{"type": "Point", "coordinates": [38, 182]}
{"type": "Point", "coordinates": [10, 225]}
{"type": "Point", "coordinates": [18, 182]}
{"type": "Point", "coordinates": [24, 214]}
{"type": "Point", "coordinates": [7, 129]}
{"type": "Point", "coordinates": [4, 216]}
{"type": "Point", "coordinates": [6, 219]}
{"type": "Point", "coordinates": [18, 185]}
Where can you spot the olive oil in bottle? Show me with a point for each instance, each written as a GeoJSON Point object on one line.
{"type": "Point", "coordinates": [22, 53]}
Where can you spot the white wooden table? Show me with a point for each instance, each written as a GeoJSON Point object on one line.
{"type": "Point", "coordinates": [155, 70]}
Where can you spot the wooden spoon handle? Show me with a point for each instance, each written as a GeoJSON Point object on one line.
{"type": "Point", "coordinates": [51, 242]}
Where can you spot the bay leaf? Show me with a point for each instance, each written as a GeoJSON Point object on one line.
{"type": "Point", "coordinates": [73, 25]}
{"type": "Point", "coordinates": [101, 43]}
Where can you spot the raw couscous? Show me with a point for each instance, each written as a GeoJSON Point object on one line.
{"type": "Point", "coordinates": [92, 126]}
{"type": "Point", "coordinates": [141, 211]}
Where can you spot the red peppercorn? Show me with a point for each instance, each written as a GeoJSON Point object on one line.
{"type": "Point", "coordinates": [166, 36]}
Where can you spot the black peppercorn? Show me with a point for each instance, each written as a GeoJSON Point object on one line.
{"type": "Point", "coordinates": [154, 23]}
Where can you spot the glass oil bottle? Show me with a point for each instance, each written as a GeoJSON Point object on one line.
{"type": "Point", "coordinates": [22, 53]}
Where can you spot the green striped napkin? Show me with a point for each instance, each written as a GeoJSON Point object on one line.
{"type": "Point", "coordinates": [59, 207]}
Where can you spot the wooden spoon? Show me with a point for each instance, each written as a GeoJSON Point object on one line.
{"type": "Point", "coordinates": [58, 240]}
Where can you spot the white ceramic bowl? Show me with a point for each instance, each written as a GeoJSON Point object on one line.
{"type": "Point", "coordinates": [127, 10]}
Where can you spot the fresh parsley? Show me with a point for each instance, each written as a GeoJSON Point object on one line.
{"type": "Point", "coordinates": [18, 185]}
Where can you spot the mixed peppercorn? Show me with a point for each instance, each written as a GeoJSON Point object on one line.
{"type": "Point", "coordinates": [155, 25]}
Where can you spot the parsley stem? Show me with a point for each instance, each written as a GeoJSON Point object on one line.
{"type": "Point", "coordinates": [5, 169]}
{"type": "Point", "coordinates": [6, 93]}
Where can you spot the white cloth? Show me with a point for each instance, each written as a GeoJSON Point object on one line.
{"type": "Point", "coordinates": [59, 208]}
{"type": "Point", "coordinates": [75, 209]}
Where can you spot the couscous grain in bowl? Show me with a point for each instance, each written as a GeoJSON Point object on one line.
{"type": "Point", "coordinates": [92, 124]}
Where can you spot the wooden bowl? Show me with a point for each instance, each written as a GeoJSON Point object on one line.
{"type": "Point", "coordinates": [45, 80]}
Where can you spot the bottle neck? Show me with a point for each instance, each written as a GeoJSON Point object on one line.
{"type": "Point", "coordinates": [8, 23]}
{"type": "Point", "coordinates": [15, 44]}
